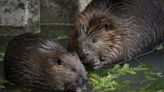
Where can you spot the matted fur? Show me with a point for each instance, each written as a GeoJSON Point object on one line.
{"type": "Point", "coordinates": [112, 31]}
{"type": "Point", "coordinates": [35, 61]}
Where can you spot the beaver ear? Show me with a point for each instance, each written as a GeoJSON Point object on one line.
{"type": "Point", "coordinates": [56, 60]}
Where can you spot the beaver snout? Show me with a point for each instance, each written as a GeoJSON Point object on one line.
{"type": "Point", "coordinates": [91, 58]}
{"type": "Point", "coordinates": [81, 84]}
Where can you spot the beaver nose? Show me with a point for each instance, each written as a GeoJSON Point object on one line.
{"type": "Point", "coordinates": [84, 83]}
{"type": "Point", "coordinates": [87, 53]}
{"type": "Point", "coordinates": [84, 80]}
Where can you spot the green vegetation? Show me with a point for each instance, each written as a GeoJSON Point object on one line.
{"type": "Point", "coordinates": [122, 78]}
{"type": "Point", "coordinates": [160, 47]}
{"type": "Point", "coordinates": [56, 32]}
{"type": "Point", "coordinates": [1, 56]}
{"type": "Point", "coordinates": [26, 90]}
{"type": "Point", "coordinates": [2, 82]}
{"type": "Point", "coordinates": [60, 37]}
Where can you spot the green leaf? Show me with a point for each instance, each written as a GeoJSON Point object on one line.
{"type": "Point", "coordinates": [106, 79]}
{"type": "Point", "coordinates": [160, 47]}
{"type": "Point", "coordinates": [2, 54]}
{"type": "Point", "coordinates": [2, 82]}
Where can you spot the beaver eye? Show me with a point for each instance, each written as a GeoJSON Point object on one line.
{"type": "Point", "coordinates": [78, 39]}
{"type": "Point", "coordinates": [73, 69]}
{"type": "Point", "coordinates": [94, 40]}
{"type": "Point", "coordinates": [56, 60]}
{"type": "Point", "coordinates": [109, 26]}
{"type": "Point", "coordinates": [74, 53]}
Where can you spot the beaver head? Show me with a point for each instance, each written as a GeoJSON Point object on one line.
{"type": "Point", "coordinates": [38, 62]}
{"type": "Point", "coordinates": [97, 37]}
{"type": "Point", "coordinates": [98, 40]}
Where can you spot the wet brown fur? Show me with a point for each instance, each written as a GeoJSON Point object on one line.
{"type": "Point", "coordinates": [38, 62]}
{"type": "Point", "coordinates": [117, 30]}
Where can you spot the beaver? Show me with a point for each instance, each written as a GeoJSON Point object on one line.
{"type": "Point", "coordinates": [113, 31]}
{"type": "Point", "coordinates": [35, 61]}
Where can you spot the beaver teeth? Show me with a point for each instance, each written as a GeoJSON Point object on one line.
{"type": "Point", "coordinates": [95, 62]}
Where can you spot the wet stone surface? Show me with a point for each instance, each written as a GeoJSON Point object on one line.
{"type": "Point", "coordinates": [58, 11]}
{"type": "Point", "coordinates": [19, 14]}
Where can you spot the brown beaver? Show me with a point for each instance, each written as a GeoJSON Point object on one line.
{"type": "Point", "coordinates": [113, 31]}
{"type": "Point", "coordinates": [39, 62]}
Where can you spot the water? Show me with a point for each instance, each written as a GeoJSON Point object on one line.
{"type": "Point", "coordinates": [155, 60]}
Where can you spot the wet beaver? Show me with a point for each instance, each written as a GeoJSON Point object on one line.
{"type": "Point", "coordinates": [39, 62]}
{"type": "Point", "coordinates": [113, 31]}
